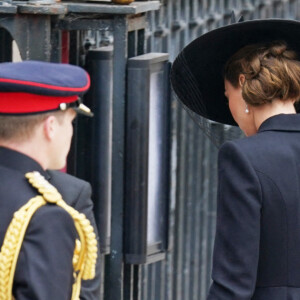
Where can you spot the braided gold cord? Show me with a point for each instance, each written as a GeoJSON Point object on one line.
{"type": "Point", "coordinates": [88, 256]}
{"type": "Point", "coordinates": [85, 252]}
{"type": "Point", "coordinates": [12, 244]}
{"type": "Point", "coordinates": [87, 261]}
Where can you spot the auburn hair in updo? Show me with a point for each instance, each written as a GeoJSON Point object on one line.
{"type": "Point", "coordinates": [271, 71]}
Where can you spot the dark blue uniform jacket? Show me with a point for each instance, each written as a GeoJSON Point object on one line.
{"type": "Point", "coordinates": [257, 244]}
{"type": "Point", "coordinates": [44, 268]}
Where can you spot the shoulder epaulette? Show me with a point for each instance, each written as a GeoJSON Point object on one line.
{"type": "Point", "coordinates": [85, 252]}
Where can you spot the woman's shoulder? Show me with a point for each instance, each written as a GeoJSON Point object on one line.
{"type": "Point", "coordinates": [267, 150]}
{"type": "Point", "coordinates": [252, 149]}
{"type": "Point", "coordinates": [250, 144]}
{"type": "Point", "coordinates": [243, 145]}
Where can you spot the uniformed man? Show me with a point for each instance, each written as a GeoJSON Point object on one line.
{"type": "Point", "coordinates": [48, 245]}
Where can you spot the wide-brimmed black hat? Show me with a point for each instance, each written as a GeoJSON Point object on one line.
{"type": "Point", "coordinates": [197, 72]}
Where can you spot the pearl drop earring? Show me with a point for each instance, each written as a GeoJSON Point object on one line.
{"type": "Point", "coordinates": [247, 109]}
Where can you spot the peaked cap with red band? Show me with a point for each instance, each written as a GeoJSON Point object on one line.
{"type": "Point", "coordinates": [31, 87]}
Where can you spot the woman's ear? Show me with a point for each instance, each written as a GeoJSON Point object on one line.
{"type": "Point", "coordinates": [50, 125]}
{"type": "Point", "coordinates": [241, 80]}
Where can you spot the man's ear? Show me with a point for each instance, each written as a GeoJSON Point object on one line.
{"type": "Point", "coordinates": [50, 125]}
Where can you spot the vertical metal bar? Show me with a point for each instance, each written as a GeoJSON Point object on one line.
{"type": "Point", "coordinates": [114, 267]}
{"type": "Point", "coordinates": [204, 227]}
{"type": "Point", "coordinates": [161, 279]}
{"type": "Point", "coordinates": [158, 32]}
{"type": "Point", "coordinates": [158, 280]}
{"type": "Point", "coordinates": [192, 210]}
{"type": "Point", "coordinates": [128, 281]}
{"type": "Point", "coordinates": [179, 227]}
{"type": "Point", "coordinates": [39, 29]}
{"type": "Point", "coordinates": [137, 280]}
{"type": "Point", "coordinates": [200, 214]}
{"type": "Point", "coordinates": [97, 159]}
{"type": "Point", "coordinates": [170, 20]}
{"type": "Point", "coordinates": [56, 50]}
{"type": "Point", "coordinates": [186, 204]}
{"type": "Point", "coordinates": [141, 42]}
{"type": "Point", "coordinates": [166, 37]}
{"type": "Point", "coordinates": [74, 55]}
{"type": "Point", "coordinates": [72, 164]}
{"type": "Point", "coordinates": [199, 176]}
{"type": "Point", "coordinates": [152, 280]}
{"type": "Point", "coordinates": [173, 193]}
{"type": "Point", "coordinates": [102, 259]}
{"type": "Point", "coordinates": [211, 209]}
{"type": "Point", "coordinates": [132, 41]}
{"type": "Point", "coordinates": [151, 30]}
{"type": "Point", "coordinates": [145, 279]}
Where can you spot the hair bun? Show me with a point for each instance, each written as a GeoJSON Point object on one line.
{"type": "Point", "coordinates": [278, 50]}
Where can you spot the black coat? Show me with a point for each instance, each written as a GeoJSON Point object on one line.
{"type": "Point", "coordinates": [44, 269]}
{"type": "Point", "coordinates": [257, 244]}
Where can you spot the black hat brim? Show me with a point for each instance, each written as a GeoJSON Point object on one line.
{"type": "Point", "coordinates": [197, 72]}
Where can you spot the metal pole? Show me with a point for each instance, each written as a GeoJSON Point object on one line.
{"type": "Point", "coordinates": [114, 273]}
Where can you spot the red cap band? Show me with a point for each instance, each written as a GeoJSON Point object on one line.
{"type": "Point", "coordinates": [25, 103]}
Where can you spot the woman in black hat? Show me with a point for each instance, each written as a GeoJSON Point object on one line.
{"type": "Point", "coordinates": [257, 244]}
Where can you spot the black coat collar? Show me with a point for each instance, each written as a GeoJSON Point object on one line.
{"type": "Point", "coordinates": [281, 122]}
{"type": "Point", "coordinates": [18, 161]}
